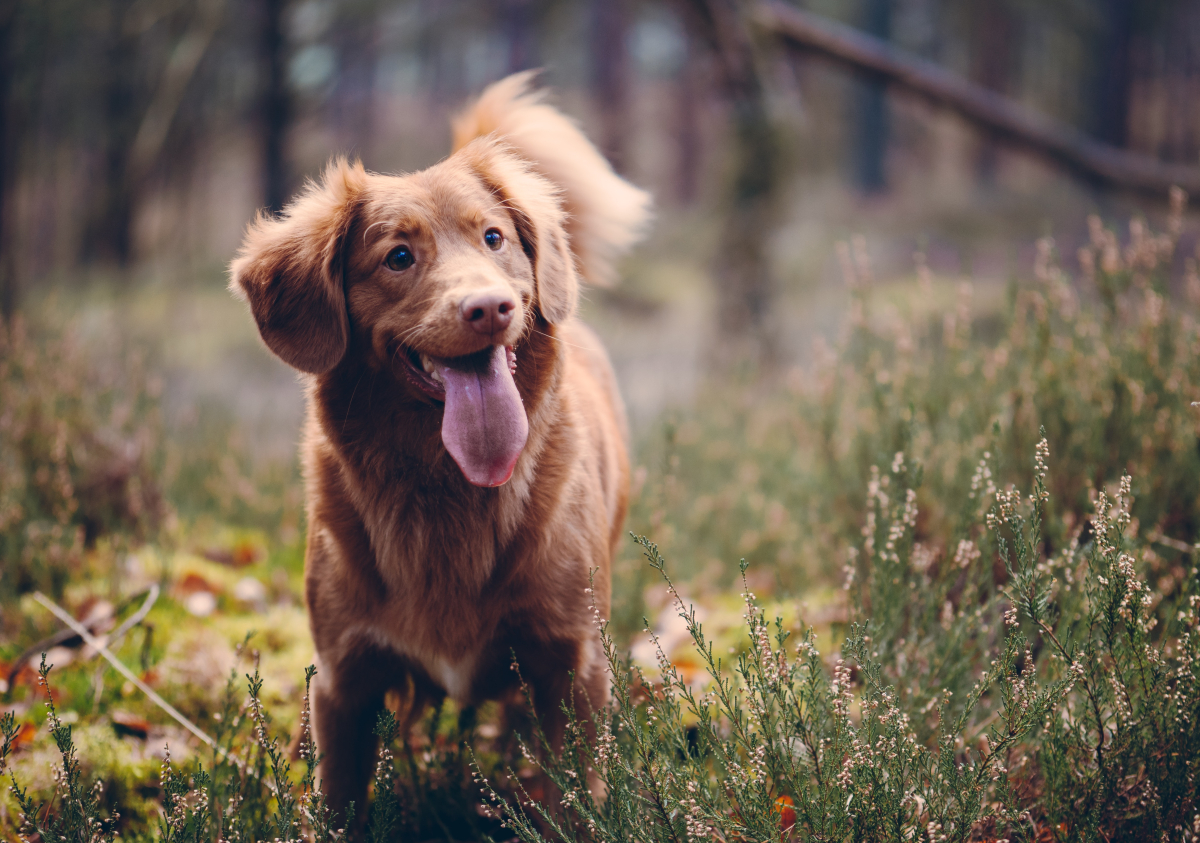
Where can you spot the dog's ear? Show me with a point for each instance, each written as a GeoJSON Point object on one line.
{"type": "Point", "coordinates": [290, 270]}
{"type": "Point", "coordinates": [545, 243]}
{"type": "Point", "coordinates": [536, 210]}
{"type": "Point", "coordinates": [606, 215]}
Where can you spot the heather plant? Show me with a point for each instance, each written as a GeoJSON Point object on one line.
{"type": "Point", "coordinates": [777, 470]}
{"type": "Point", "coordinates": [80, 448]}
{"type": "Point", "coordinates": [243, 787]}
{"type": "Point", "coordinates": [78, 817]}
{"type": "Point", "coordinates": [86, 463]}
{"type": "Point", "coordinates": [997, 511]}
{"type": "Point", "coordinates": [1070, 713]}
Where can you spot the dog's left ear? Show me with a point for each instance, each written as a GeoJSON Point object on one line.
{"type": "Point", "coordinates": [536, 210]}
{"type": "Point", "coordinates": [290, 271]}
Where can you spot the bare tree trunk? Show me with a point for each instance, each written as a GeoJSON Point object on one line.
{"type": "Point", "coordinates": [275, 107]}
{"type": "Point", "coordinates": [745, 287]}
{"type": "Point", "coordinates": [871, 119]}
{"type": "Point", "coordinates": [9, 293]}
{"type": "Point", "coordinates": [1110, 97]}
{"type": "Point", "coordinates": [995, 29]}
{"type": "Point", "coordinates": [986, 109]}
{"type": "Point", "coordinates": [108, 234]}
{"type": "Point", "coordinates": [687, 130]}
{"type": "Point", "coordinates": [520, 27]}
{"type": "Point", "coordinates": [610, 76]}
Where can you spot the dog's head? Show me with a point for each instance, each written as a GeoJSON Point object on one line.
{"type": "Point", "coordinates": [436, 275]}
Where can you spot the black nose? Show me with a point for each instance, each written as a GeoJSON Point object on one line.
{"type": "Point", "coordinates": [488, 313]}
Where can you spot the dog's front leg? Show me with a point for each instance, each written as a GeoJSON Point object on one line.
{"type": "Point", "coordinates": [345, 710]}
{"type": "Point", "coordinates": [558, 675]}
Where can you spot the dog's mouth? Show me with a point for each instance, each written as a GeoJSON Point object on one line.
{"type": "Point", "coordinates": [484, 426]}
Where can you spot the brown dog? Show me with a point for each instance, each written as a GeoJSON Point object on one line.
{"type": "Point", "coordinates": [465, 449]}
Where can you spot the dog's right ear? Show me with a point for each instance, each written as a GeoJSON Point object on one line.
{"type": "Point", "coordinates": [290, 270]}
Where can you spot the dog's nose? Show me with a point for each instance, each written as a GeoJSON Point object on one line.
{"type": "Point", "coordinates": [488, 313]}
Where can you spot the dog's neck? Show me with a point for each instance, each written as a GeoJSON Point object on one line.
{"type": "Point", "coordinates": [429, 528]}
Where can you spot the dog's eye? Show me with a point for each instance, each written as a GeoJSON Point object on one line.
{"type": "Point", "coordinates": [399, 259]}
{"type": "Point", "coordinates": [493, 238]}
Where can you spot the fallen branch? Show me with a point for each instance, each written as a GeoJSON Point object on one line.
{"type": "Point", "coordinates": [1000, 115]}
{"type": "Point", "coordinates": [71, 639]}
{"type": "Point", "coordinates": [101, 647]}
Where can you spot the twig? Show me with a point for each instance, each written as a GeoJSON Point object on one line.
{"type": "Point", "coordinates": [130, 622]}
{"type": "Point", "coordinates": [136, 618]}
{"type": "Point", "coordinates": [101, 647]}
{"type": "Point", "coordinates": [67, 637]}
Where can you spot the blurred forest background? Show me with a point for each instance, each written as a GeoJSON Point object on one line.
{"type": "Point", "coordinates": [840, 270]}
{"type": "Point", "coordinates": [139, 136]}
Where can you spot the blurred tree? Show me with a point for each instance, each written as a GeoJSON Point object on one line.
{"type": "Point", "coordinates": [1174, 70]}
{"type": "Point", "coordinates": [150, 54]}
{"type": "Point", "coordinates": [611, 81]}
{"type": "Point", "coordinates": [871, 117]}
{"type": "Point", "coordinates": [687, 128]}
{"type": "Point", "coordinates": [274, 105]}
{"type": "Point", "coordinates": [8, 278]}
{"type": "Point", "coordinates": [750, 209]}
{"type": "Point", "coordinates": [1112, 60]}
{"type": "Point", "coordinates": [183, 60]}
{"type": "Point", "coordinates": [994, 29]}
{"type": "Point", "coordinates": [109, 108]}
{"type": "Point", "coordinates": [353, 100]}
{"type": "Point", "coordinates": [108, 229]}
{"type": "Point", "coordinates": [1145, 50]}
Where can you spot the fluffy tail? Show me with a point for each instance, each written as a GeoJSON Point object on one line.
{"type": "Point", "coordinates": [607, 215]}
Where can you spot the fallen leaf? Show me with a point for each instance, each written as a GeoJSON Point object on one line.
{"type": "Point", "coordinates": [130, 724]}
{"type": "Point", "coordinates": [25, 735]}
{"type": "Point", "coordinates": [193, 582]}
{"type": "Point", "coordinates": [25, 675]}
{"type": "Point", "coordinates": [787, 813]}
{"type": "Point", "coordinates": [239, 556]}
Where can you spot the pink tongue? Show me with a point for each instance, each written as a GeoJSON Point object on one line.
{"type": "Point", "coordinates": [484, 426]}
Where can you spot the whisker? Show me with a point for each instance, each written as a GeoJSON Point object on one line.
{"type": "Point", "coordinates": [406, 336]}
{"type": "Point", "coordinates": [368, 230]}
{"type": "Point", "coordinates": [564, 342]}
{"type": "Point", "coordinates": [505, 202]}
{"type": "Point", "coordinates": [350, 403]}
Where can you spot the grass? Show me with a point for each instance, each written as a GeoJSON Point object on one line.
{"type": "Point", "coordinates": [967, 607]}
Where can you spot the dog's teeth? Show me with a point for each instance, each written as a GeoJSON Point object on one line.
{"type": "Point", "coordinates": [430, 369]}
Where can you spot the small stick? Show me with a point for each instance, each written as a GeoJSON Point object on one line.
{"type": "Point", "coordinates": [101, 647]}
{"type": "Point", "coordinates": [64, 636]}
